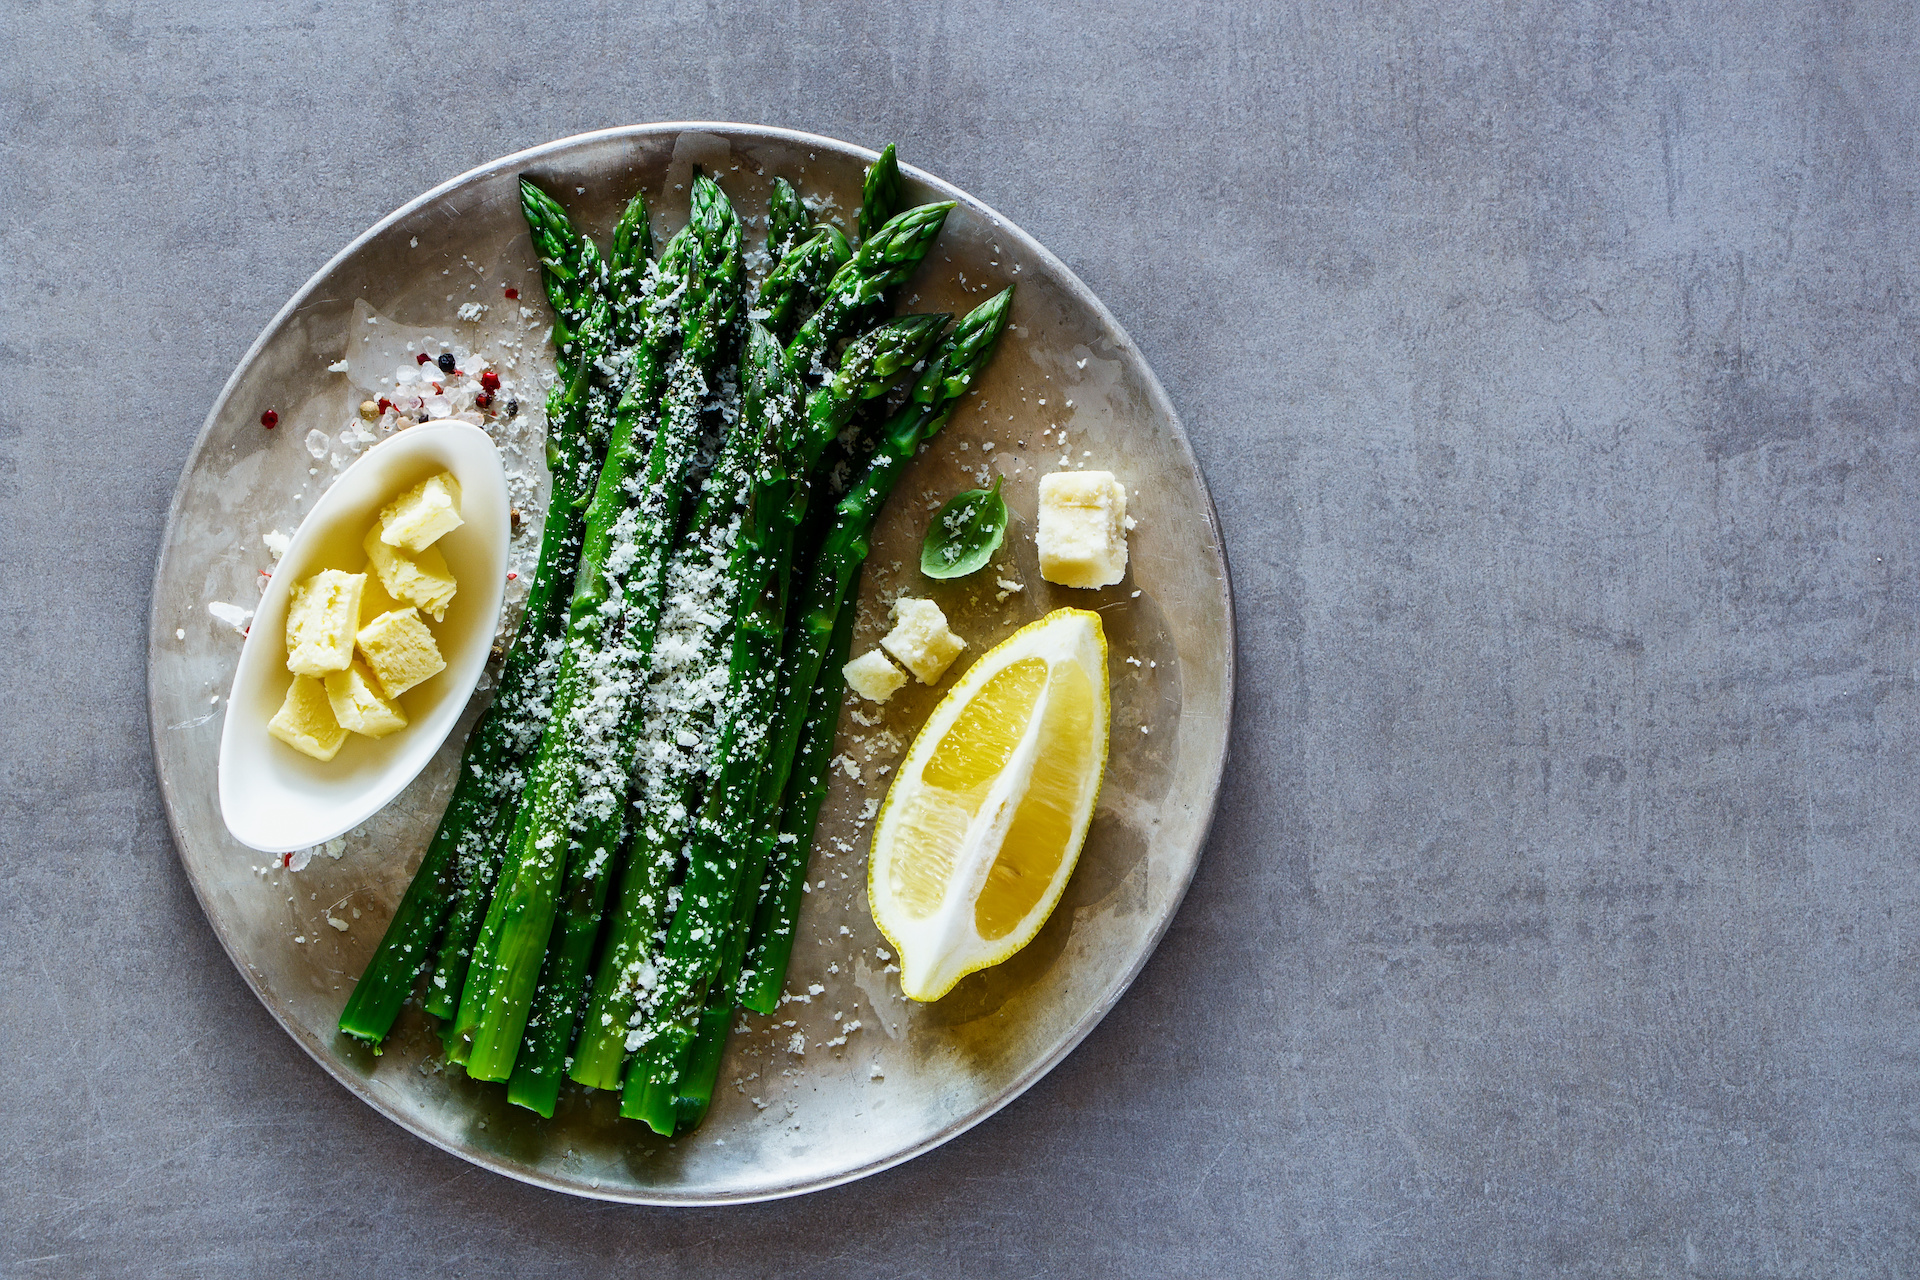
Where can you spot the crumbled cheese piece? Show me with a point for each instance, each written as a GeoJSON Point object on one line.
{"type": "Point", "coordinates": [921, 640]}
{"type": "Point", "coordinates": [419, 517]}
{"type": "Point", "coordinates": [277, 543]}
{"type": "Point", "coordinates": [305, 721]}
{"type": "Point", "coordinates": [1082, 535]}
{"type": "Point", "coordinates": [873, 677]}
{"type": "Point", "coordinates": [359, 705]}
{"type": "Point", "coordinates": [421, 579]}
{"type": "Point", "coordinates": [321, 617]}
{"type": "Point", "coordinates": [400, 651]}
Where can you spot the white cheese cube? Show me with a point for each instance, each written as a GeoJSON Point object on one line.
{"type": "Point", "coordinates": [417, 518]}
{"type": "Point", "coordinates": [872, 677]}
{"type": "Point", "coordinates": [305, 720]}
{"type": "Point", "coordinates": [322, 614]}
{"type": "Point", "coordinates": [421, 579]}
{"type": "Point", "coordinates": [400, 651]}
{"type": "Point", "coordinates": [1083, 529]}
{"type": "Point", "coordinates": [920, 639]}
{"type": "Point", "coordinates": [358, 704]}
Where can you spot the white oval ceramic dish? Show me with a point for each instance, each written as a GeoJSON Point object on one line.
{"type": "Point", "coordinates": [857, 1078]}
{"type": "Point", "coordinates": [274, 798]}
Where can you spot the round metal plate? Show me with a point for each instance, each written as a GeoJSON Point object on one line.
{"type": "Point", "coordinates": [805, 1100]}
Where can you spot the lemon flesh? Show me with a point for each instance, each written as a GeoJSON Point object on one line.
{"type": "Point", "coordinates": [986, 816]}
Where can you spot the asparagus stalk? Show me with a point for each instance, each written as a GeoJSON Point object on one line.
{"type": "Point", "coordinates": [457, 867]}
{"type": "Point", "coordinates": [541, 1062]}
{"type": "Point", "coordinates": [797, 283]}
{"type": "Point", "coordinates": [808, 678]}
{"type": "Point", "coordinates": [676, 712]}
{"type": "Point", "coordinates": [859, 289]}
{"type": "Point", "coordinates": [722, 837]}
{"type": "Point", "coordinates": [775, 383]}
{"type": "Point", "coordinates": [881, 191]}
{"type": "Point", "coordinates": [787, 219]}
{"type": "Point", "coordinates": [694, 1091]}
{"type": "Point", "coordinates": [535, 1082]}
{"type": "Point", "coordinates": [580, 777]}
{"type": "Point", "coordinates": [677, 707]}
{"type": "Point", "coordinates": [620, 281]}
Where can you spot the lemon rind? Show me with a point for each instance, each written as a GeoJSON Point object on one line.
{"type": "Point", "coordinates": [984, 956]}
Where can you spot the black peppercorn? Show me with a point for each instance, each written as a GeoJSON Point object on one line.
{"type": "Point", "coordinates": [513, 407]}
{"type": "Point", "coordinates": [445, 362]}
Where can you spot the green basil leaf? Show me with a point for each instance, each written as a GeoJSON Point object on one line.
{"type": "Point", "coordinates": [964, 533]}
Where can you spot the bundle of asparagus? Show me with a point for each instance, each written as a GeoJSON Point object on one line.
{"type": "Point", "coordinates": [665, 715]}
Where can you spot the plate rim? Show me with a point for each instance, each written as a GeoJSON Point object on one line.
{"type": "Point", "coordinates": [1035, 1071]}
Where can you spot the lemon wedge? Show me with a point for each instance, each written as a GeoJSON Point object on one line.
{"type": "Point", "coordinates": [984, 821]}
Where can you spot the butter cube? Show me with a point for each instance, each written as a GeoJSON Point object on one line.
{"type": "Point", "coordinates": [359, 705]}
{"type": "Point", "coordinates": [374, 599]}
{"type": "Point", "coordinates": [921, 640]}
{"type": "Point", "coordinates": [421, 579]}
{"type": "Point", "coordinates": [417, 518]}
{"type": "Point", "coordinates": [322, 615]}
{"type": "Point", "coordinates": [1083, 529]}
{"type": "Point", "coordinates": [872, 677]}
{"type": "Point", "coordinates": [305, 720]}
{"type": "Point", "coordinates": [400, 651]}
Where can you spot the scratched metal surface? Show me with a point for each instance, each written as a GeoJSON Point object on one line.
{"type": "Point", "coordinates": [1551, 366]}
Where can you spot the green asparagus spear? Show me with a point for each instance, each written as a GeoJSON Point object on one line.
{"type": "Point", "coordinates": [621, 282]}
{"type": "Point", "coordinates": [580, 779]}
{"type": "Point", "coordinates": [694, 1091]}
{"type": "Point", "coordinates": [541, 1063]}
{"type": "Point", "coordinates": [880, 192]}
{"type": "Point", "coordinates": [808, 679]}
{"type": "Point", "coordinates": [723, 835]}
{"type": "Point", "coordinates": [776, 383]}
{"type": "Point", "coordinates": [795, 286]}
{"type": "Point", "coordinates": [676, 707]}
{"type": "Point", "coordinates": [859, 289]}
{"type": "Point", "coordinates": [787, 219]}
{"type": "Point", "coordinates": [458, 863]}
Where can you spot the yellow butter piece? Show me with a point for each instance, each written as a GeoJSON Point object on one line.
{"type": "Point", "coordinates": [400, 651]}
{"type": "Point", "coordinates": [322, 614]}
{"type": "Point", "coordinates": [305, 720]}
{"type": "Point", "coordinates": [921, 640]}
{"type": "Point", "coordinates": [359, 705]}
{"type": "Point", "coordinates": [1082, 537]}
{"type": "Point", "coordinates": [419, 517]}
{"type": "Point", "coordinates": [872, 677]}
{"type": "Point", "coordinates": [418, 579]}
{"type": "Point", "coordinates": [374, 599]}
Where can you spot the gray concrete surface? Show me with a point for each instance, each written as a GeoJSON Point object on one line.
{"type": "Point", "coordinates": [1553, 365]}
